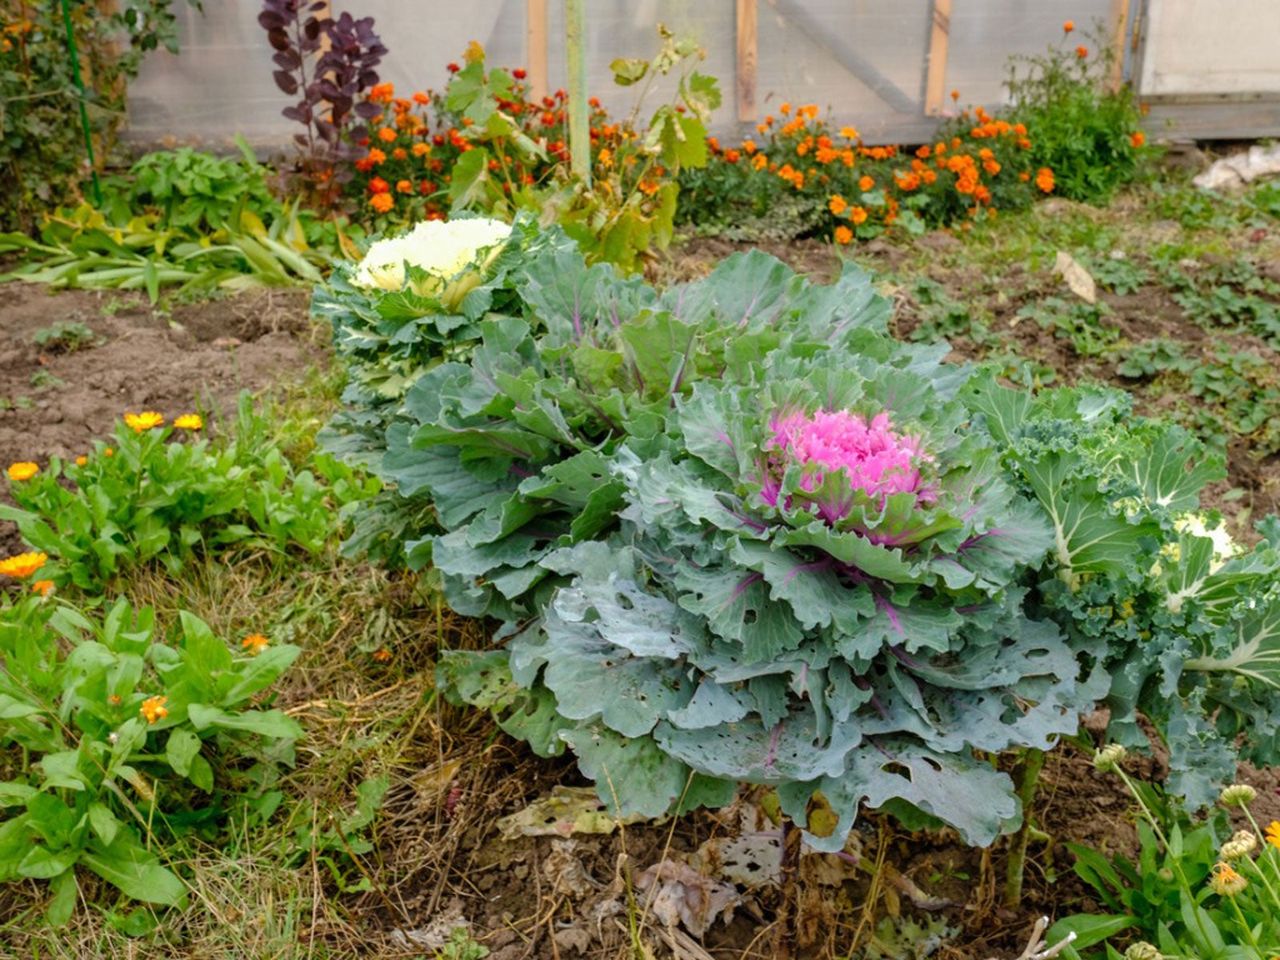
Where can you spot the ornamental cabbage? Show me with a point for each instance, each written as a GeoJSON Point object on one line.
{"type": "Point", "coordinates": [437, 258]}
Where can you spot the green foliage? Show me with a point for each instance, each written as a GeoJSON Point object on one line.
{"type": "Point", "coordinates": [154, 496]}
{"type": "Point", "coordinates": [1084, 325]}
{"type": "Point", "coordinates": [1083, 130]}
{"type": "Point", "coordinates": [64, 336]}
{"type": "Point", "coordinates": [110, 736]}
{"type": "Point", "coordinates": [193, 190]}
{"type": "Point", "coordinates": [84, 248]}
{"type": "Point", "coordinates": [42, 150]}
{"type": "Point", "coordinates": [1195, 888]}
{"type": "Point", "coordinates": [629, 206]}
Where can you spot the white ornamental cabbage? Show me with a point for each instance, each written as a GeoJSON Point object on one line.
{"type": "Point", "coordinates": [454, 253]}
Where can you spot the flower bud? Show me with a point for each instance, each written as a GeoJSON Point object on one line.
{"type": "Point", "coordinates": [1241, 844]}
{"type": "Point", "coordinates": [1109, 757]}
{"type": "Point", "coordinates": [1237, 795]}
{"type": "Point", "coordinates": [1142, 951]}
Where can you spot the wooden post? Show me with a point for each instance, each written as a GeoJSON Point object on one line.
{"type": "Point", "coordinates": [935, 82]}
{"type": "Point", "coordinates": [748, 58]}
{"type": "Point", "coordinates": [575, 43]}
{"type": "Point", "coordinates": [1119, 20]}
{"type": "Point", "coordinates": [536, 47]}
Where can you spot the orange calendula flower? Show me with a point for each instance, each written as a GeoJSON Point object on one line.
{"type": "Point", "coordinates": [858, 214]}
{"type": "Point", "coordinates": [255, 643]}
{"type": "Point", "coordinates": [189, 421]}
{"type": "Point", "coordinates": [382, 202]}
{"type": "Point", "coordinates": [1138, 140]}
{"type": "Point", "coordinates": [23, 470]}
{"type": "Point", "coordinates": [1225, 882]}
{"type": "Point", "coordinates": [837, 204]}
{"type": "Point", "coordinates": [1082, 51]}
{"type": "Point", "coordinates": [843, 235]}
{"type": "Point", "coordinates": [1044, 180]}
{"type": "Point", "coordinates": [865, 184]}
{"type": "Point", "coordinates": [153, 709]}
{"type": "Point", "coordinates": [42, 587]}
{"type": "Point", "coordinates": [140, 422]}
{"type": "Point", "coordinates": [81, 460]}
{"type": "Point", "coordinates": [22, 565]}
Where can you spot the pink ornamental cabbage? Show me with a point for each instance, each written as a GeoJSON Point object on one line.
{"type": "Point", "coordinates": [877, 461]}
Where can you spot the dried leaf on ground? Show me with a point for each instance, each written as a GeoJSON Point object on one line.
{"type": "Point", "coordinates": [677, 892]}
{"type": "Point", "coordinates": [1078, 279]}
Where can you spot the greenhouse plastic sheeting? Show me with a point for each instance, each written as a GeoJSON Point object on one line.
{"type": "Point", "coordinates": [863, 60]}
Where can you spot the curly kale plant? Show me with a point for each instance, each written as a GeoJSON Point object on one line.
{"type": "Point", "coordinates": [1184, 620]}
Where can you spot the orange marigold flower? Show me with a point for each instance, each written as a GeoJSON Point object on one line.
{"type": "Point", "coordinates": [23, 470]}
{"type": "Point", "coordinates": [1138, 140]}
{"type": "Point", "coordinates": [837, 204]}
{"type": "Point", "coordinates": [648, 187]}
{"type": "Point", "coordinates": [421, 149]}
{"type": "Point", "coordinates": [386, 135]}
{"type": "Point", "coordinates": [376, 156]}
{"type": "Point", "coordinates": [382, 92]}
{"type": "Point", "coordinates": [923, 152]}
{"type": "Point", "coordinates": [139, 422]}
{"type": "Point", "coordinates": [760, 161]}
{"type": "Point", "coordinates": [858, 214]}
{"type": "Point", "coordinates": [1044, 180]}
{"type": "Point", "coordinates": [849, 133]}
{"type": "Point", "coordinates": [1024, 176]}
{"type": "Point", "coordinates": [733, 156]}
{"type": "Point", "coordinates": [785, 109]}
{"type": "Point", "coordinates": [908, 183]}
{"type": "Point", "coordinates": [382, 202]}
{"type": "Point", "coordinates": [843, 235]}
{"type": "Point", "coordinates": [991, 166]}
{"type": "Point", "coordinates": [189, 421]}
{"type": "Point", "coordinates": [1082, 51]}
{"type": "Point", "coordinates": [42, 587]}
{"type": "Point", "coordinates": [421, 98]}
{"type": "Point", "coordinates": [399, 153]}
{"type": "Point", "coordinates": [255, 643]}
{"type": "Point", "coordinates": [378, 185]}
{"type": "Point", "coordinates": [749, 147]}
{"type": "Point", "coordinates": [22, 565]}
{"type": "Point", "coordinates": [153, 709]}
{"type": "Point", "coordinates": [1068, 26]}
{"type": "Point", "coordinates": [865, 183]}
{"type": "Point", "coordinates": [955, 95]}
{"type": "Point", "coordinates": [404, 186]}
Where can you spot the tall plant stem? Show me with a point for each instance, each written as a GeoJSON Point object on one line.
{"type": "Point", "coordinates": [575, 17]}
{"type": "Point", "coordinates": [1027, 776]}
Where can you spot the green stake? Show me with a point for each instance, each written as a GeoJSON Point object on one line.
{"type": "Point", "coordinates": [575, 18]}
{"type": "Point", "coordinates": [84, 114]}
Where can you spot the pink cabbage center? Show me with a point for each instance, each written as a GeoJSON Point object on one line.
{"type": "Point", "coordinates": [876, 460]}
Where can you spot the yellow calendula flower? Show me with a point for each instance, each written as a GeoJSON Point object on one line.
{"type": "Point", "coordinates": [1225, 882]}
{"type": "Point", "coordinates": [255, 643]}
{"type": "Point", "coordinates": [147, 420]}
{"type": "Point", "coordinates": [189, 421]}
{"type": "Point", "coordinates": [23, 565]}
{"type": "Point", "coordinates": [153, 709]}
{"type": "Point", "coordinates": [1273, 834]}
{"type": "Point", "coordinates": [82, 460]}
{"type": "Point", "coordinates": [23, 470]}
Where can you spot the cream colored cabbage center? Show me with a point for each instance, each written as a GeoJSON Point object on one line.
{"type": "Point", "coordinates": [454, 253]}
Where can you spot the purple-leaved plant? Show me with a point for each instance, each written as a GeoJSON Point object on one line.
{"type": "Point", "coordinates": [329, 63]}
